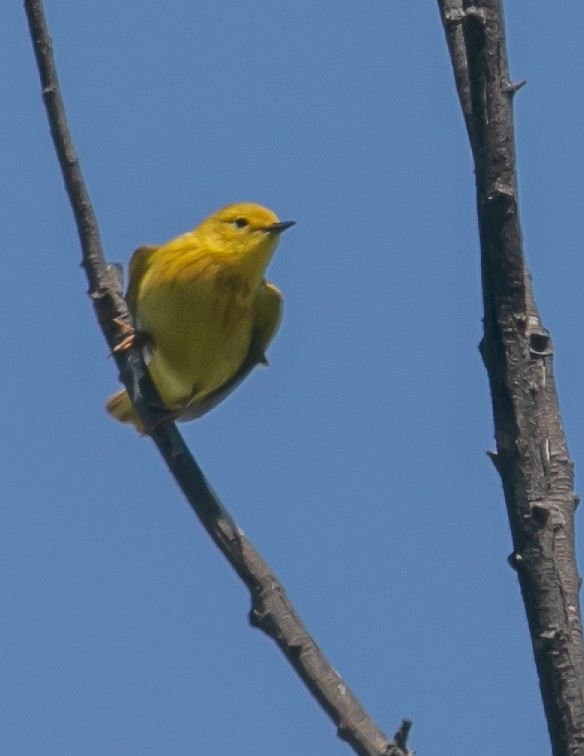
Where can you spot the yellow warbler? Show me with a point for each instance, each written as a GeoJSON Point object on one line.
{"type": "Point", "coordinates": [204, 309]}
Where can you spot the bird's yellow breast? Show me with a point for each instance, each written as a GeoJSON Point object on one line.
{"type": "Point", "coordinates": [197, 310]}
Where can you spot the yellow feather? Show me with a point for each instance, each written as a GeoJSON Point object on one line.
{"type": "Point", "coordinates": [206, 309]}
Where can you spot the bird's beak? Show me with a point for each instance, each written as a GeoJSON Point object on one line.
{"type": "Point", "coordinates": [278, 228]}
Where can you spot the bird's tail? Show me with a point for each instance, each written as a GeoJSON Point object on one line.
{"type": "Point", "coordinates": [120, 407]}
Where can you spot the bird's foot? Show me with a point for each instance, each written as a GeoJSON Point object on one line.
{"type": "Point", "coordinates": [132, 337]}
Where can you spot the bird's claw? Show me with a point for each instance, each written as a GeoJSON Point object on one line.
{"type": "Point", "coordinates": [132, 337]}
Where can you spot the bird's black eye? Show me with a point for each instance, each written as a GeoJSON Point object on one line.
{"type": "Point", "coordinates": [240, 223]}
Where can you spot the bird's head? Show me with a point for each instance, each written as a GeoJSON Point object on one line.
{"type": "Point", "coordinates": [246, 232]}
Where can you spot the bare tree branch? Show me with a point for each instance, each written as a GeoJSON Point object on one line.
{"type": "Point", "coordinates": [532, 455]}
{"type": "Point", "coordinates": [271, 611]}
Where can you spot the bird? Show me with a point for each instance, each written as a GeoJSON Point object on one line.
{"type": "Point", "coordinates": [203, 311]}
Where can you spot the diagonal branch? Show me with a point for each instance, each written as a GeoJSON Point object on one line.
{"type": "Point", "coordinates": [271, 611]}
{"type": "Point", "coordinates": [532, 455]}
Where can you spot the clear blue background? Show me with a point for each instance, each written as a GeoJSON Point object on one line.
{"type": "Point", "coordinates": [356, 463]}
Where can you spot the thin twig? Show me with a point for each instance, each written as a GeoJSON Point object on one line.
{"type": "Point", "coordinates": [532, 455]}
{"type": "Point", "coordinates": [271, 610]}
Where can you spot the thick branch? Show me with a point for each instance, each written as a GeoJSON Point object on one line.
{"type": "Point", "coordinates": [532, 455]}
{"type": "Point", "coordinates": [271, 610]}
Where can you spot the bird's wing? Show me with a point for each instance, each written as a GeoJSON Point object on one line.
{"type": "Point", "coordinates": [139, 263]}
{"type": "Point", "coordinates": [267, 313]}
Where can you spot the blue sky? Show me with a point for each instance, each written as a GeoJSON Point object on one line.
{"type": "Point", "coordinates": [356, 463]}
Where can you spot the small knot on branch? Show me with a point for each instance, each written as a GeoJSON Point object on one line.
{"type": "Point", "coordinates": [454, 17]}
{"type": "Point", "coordinates": [475, 15]}
{"type": "Point", "coordinates": [115, 274]}
{"type": "Point", "coordinates": [512, 87]}
{"type": "Point", "coordinates": [344, 730]}
{"type": "Point", "coordinates": [257, 618]}
{"type": "Point", "coordinates": [540, 514]}
{"type": "Point", "coordinates": [548, 639]}
{"type": "Point", "coordinates": [475, 21]}
{"type": "Point", "coordinates": [503, 197]}
{"type": "Point", "coordinates": [402, 734]}
{"type": "Point", "coordinates": [540, 344]}
{"type": "Point", "coordinates": [515, 561]}
{"type": "Point", "coordinates": [494, 457]}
